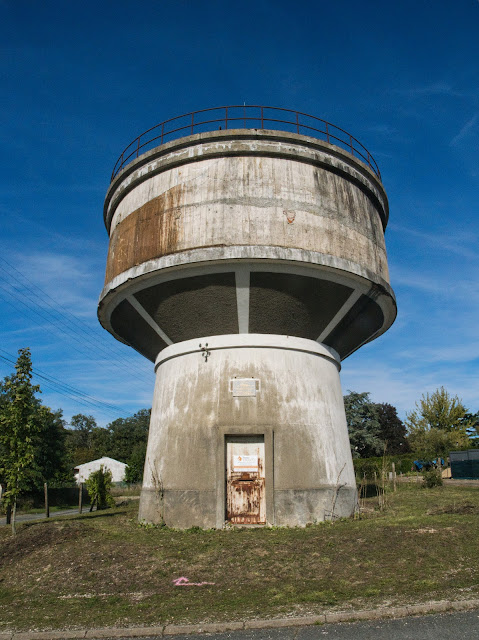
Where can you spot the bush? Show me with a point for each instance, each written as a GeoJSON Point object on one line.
{"type": "Point", "coordinates": [99, 485]}
{"type": "Point", "coordinates": [432, 478]}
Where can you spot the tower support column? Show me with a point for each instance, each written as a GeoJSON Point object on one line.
{"type": "Point", "coordinates": [247, 429]}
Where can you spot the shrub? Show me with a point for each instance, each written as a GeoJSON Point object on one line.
{"type": "Point", "coordinates": [98, 485]}
{"type": "Point", "coordinates": [432, 478]}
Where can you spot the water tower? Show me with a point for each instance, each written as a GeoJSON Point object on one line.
{"type": "Point", "coordinates": [246, 260]}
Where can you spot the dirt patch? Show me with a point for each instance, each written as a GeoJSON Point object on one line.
{"type": "Point", "coordinates": [465, 508]}
{"type": "Point", "coordinates": [35, 537]}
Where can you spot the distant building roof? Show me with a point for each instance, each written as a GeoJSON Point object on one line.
{"type": "Point", "coordinates": [105, 460]}
{"type": "Point", "coordinates": [117, 468]}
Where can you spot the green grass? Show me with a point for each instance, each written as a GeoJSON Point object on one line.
{"type": "Point", "coordinates": [103, 569]}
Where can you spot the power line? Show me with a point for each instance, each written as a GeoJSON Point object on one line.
{"type": "Point", "coordinates": [31, 295]}
{"type": "Point", "coordinates": [69, 391]}
{"type": "Point", "coordinates": [83, 326]}
{"type": "Point", "coordinates": [31, 292]}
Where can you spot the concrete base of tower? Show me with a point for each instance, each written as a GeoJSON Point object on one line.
{"type": "Point", "coordinates": [247, 429]}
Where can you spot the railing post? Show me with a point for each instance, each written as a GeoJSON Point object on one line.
{"type": "Point", "coordinates": [192, 121]}
{"type": "Point", "coordinates": [226, 117]}
{"type": "Point", "coordinates": [351, 143]}
{"type": "Point", "coordinates": [162, 129]}
{"type": "Point", "coordinates": [262, 119]}
{"type": "Point", "coordinates": [138, 147]}
{"type": "Point", "coordinates": [327, 132]}
{"type": "Point", "coordinates": [297, 123]}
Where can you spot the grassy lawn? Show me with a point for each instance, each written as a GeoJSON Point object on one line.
{"type": "Point", "coordinates": [102, 569]}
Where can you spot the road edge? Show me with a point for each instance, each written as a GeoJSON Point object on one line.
{"type": "Point", "coordinates": [382, 613]}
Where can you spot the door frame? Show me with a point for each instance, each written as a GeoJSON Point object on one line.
{"type": "Point", "coordinates": [267, 433]}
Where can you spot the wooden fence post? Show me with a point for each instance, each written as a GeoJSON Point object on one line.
{"type": "Point", "coordinates": [394, 476]}
{"type": "Point", "coordinates": [47, 506]}
{"type": "Point", "coordinates": [80, 496]}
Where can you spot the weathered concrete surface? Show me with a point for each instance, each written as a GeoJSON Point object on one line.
{"type": "Point", "coordinates": [246, 201]}
{"type": "Point", "coordinates": [297, 408]}
{"type": "Point", "coordinates": [208, 200]}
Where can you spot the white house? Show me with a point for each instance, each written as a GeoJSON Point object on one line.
{"type": "Point", "coordinates": [117, 468]}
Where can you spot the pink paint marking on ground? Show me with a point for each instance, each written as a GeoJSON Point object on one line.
{"type": "Point", "coordinates": [184, 582]}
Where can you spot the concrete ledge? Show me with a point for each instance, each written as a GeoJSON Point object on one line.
{"type": "Point", "coordinates": [285, 622]}
{"type": "Point", "coordinates": [139, 632]}
{"type": "Point", "coordinates": [223, 627]}
{"type": "Point", "coordinates": [207, 627]}
{"type": "Point", "coordinates": [50, 635]}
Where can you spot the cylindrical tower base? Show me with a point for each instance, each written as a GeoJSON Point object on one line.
{"type": "Point", "coordinates": [247, 429]}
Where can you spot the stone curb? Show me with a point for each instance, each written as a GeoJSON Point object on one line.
{"type": "Point", "coordinates": [222, 627]}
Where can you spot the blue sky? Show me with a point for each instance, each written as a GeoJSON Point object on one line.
{"type": "Point", "coordinates": [80, 80]}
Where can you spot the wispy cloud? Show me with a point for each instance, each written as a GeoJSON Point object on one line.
{"type": "Point", "coordinates": [466, 129]}
{"type": "Point", "coordinates": [450, 242]}
{"type": "Point", "coordinates": [383, 129]}
{"type": "Point", "coordinates": [433, 89]}
{"type": "Point", "coordinates": [402, 384]}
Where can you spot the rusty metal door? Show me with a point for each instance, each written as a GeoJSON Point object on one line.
{"type": "Point", "coordinates": [245, 486]}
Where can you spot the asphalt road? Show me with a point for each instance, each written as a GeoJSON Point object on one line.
{"type": "Point", "coordinates": [462, 625]}
{"type": "Point", "coordinates": [24, 517]}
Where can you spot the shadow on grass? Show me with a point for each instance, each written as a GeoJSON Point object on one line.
{"type": "Point", "coordinates": [104, 513]}
{"type": "Point", "coordinates": [370, 490]}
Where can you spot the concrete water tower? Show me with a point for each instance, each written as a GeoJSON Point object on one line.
{"type": "Point", "coordinates": [246, 259]}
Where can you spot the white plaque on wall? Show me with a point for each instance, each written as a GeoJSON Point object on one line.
{"type": "Point", "coordinates": [243, 387]}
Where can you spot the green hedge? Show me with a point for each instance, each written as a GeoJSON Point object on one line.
{"type": "Point", "coordinates": [369, 466]}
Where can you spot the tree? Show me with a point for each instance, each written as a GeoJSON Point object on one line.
{"type": "Point", "coordinates": [85, 440]}
{"type": "Point", "coordinates": [392, 430]}
{"type": "Point", "coordinates": [51, 455]}
{"type": "Point", "coordinates": [126, 433]}
{"type": "Point", "coordinates": [437, 425]}
{"type": "Point", "coordinates": [470, 421]}
{"type": "Point", "coordinates": [363, 425]}
{"type": "Point", "coordinates": [136, 464]}
{"type": "Point", "coordinates": [19, 427]}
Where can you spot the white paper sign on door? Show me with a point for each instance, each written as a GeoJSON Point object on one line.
{"type": "Point", "coordinates": [245, 463]}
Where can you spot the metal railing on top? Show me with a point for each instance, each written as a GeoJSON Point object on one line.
{"type": "Point", "coordinates": [243, 117]}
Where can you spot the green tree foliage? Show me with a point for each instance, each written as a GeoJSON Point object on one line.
{"type": "Point", "coordinates": [126, 433]}
{"type": "Point", "coordinates": [437, 425]}
{"type": "Point", "coordinates": [85, 440]}
{"type": "Point", "coordinates": [50, 460]}
{"type": "Point", "coordinates": [363, 425]}
{"type": "Point", "coordinates": [98, 486]}
{"type": "Point", "coordinates": [19, 428]}
{"type": "Point", "coordinates": [136, 463]}
{"type": "Point", "coordinates": [392, 430]}
{"type": "Point", "coordinates": [51, 457]}
{"type": "Point", "coordinates": [470, 421]}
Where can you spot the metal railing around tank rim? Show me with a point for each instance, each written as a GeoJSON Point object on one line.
{"type": "Point", "coordinates": [243, 117]}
